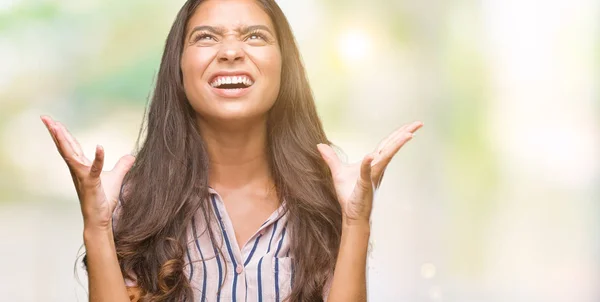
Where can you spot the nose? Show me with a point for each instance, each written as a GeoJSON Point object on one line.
{"type": "Point", "coordinates": [231, 52]}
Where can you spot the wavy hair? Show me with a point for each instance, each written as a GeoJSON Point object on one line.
{"type": "Point", "coordinates": [168, 183]}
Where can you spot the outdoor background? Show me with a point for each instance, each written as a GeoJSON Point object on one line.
{"type": "Point", "coordinates": [495, 199]}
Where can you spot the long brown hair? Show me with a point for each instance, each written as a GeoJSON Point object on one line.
{"type": "Point", "coordinates": [169, 182]}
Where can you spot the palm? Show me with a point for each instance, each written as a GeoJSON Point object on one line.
{"type": "Point", "coordinates": [107, 194]}
{"type": "Point", "coordinates": [345, 181]}
{"type": "Point", "coordinates": [111, 186]}
{"type": "Point", "coordinates": [356, 183]}
{"type": "Point", "coordinates": [98, 190]}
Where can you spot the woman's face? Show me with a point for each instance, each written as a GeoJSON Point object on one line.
{"type": "Point", "coordinates": [231, 63]}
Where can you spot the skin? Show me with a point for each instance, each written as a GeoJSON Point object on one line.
{"type": "Point", "coordinates": [355, 185]}
{"type": "Point", "coordinates": [235, 130]}
{"type": "Point", "coordinates": [235, 134]}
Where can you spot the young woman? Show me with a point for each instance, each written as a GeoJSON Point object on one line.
{"type": "Point", "coordinates": [235, 194]}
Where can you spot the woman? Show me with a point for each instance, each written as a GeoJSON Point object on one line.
{"type": "Point", "coordinates": [235, 194]}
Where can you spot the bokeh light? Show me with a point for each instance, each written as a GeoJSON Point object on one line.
{"type": "Point", "coordinates": [354, 45]}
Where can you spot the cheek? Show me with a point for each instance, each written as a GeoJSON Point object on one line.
{"type": "Point", "coordinates": [268, 62]}
{"type": "Point", "coordinates": [274, 62]}
{"type": "Point", "coordinates": [193, 65]}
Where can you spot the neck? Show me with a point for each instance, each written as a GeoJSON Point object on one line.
{"type": "Point", "coordinates": [238, 156]}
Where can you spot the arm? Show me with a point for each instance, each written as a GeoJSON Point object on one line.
{"type": "Point", "coordinates": [98, 192]}
{"type": "Point", "coordinates": [349, 279]}
{"type": "Point", "coordinates": [105, 280]}
{"type": "Point", "coordinates": [355, 186]}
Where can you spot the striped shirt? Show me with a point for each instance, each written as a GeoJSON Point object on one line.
{"type": "Point", "coordinates": [261, 270]}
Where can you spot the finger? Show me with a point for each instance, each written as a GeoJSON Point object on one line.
{"type": "Point", "coordinates": [65, 149]}
{"type": "Point", "coordinates": [388, 153]}
{"type": "Point", "coordinates": [98, 162]}
{"type": "Point", "coordinates": [411, 127]}
{"type": "Point", "coordinates": [365, 180]}
{"type": "Point", "coordinates": [330, 157]}
{"type": "Point", "coordinates": [123, 165]}
{"type": "Point", "coordinates": [74, 144]}
{"type": "Point", "coordinates": [48, 122]}
{"type": "Point", "coordinates": [385, 141]}
{"type": "Point", "coordinates": [63, 130]}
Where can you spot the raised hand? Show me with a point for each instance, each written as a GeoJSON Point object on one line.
{"type": "Point", "coordinates": [98, 191]}
{"type": "Point", "coordinates": [355, 183]}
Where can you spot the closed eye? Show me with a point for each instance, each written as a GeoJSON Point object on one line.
{"type": "Point", "coordinates": [258, 37]}
{"type": "Point", "coordinates": [204, 37]}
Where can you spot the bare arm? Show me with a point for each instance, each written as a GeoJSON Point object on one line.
{"type": "Point", "coordinates": [349, 280]}
{"type": "Point", "coordinates": [105, 279]}
{"type": "Point", "coordinates": [98, 192]}
{"type": "Point", "coordinates": [355, 186]}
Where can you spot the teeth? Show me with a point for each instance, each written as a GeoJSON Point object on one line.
{"type": "Point", "coordinates": [231, 80]}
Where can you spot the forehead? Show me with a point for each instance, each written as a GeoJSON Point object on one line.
{"type": "Point", "coordinates": [230, 14]}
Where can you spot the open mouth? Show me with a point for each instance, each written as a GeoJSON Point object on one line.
{"type": "Point", "coordinates": [232, 82]}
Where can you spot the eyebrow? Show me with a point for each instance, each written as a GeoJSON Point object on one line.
{"type": "Point", "coordinates": [221, 30]}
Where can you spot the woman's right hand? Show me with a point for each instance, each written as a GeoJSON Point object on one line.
{"type": "Point", "coordinates": [98, 190]}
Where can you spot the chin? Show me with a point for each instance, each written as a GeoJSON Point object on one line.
{"type": "Point", "coordinates": [228, 111]}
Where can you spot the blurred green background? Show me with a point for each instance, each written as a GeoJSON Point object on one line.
{"type": "Point", "coordinates": [496, 198]}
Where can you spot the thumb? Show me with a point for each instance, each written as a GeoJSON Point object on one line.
{"type": "Point", "coordinates": [123, 165]}
{"type": "Point", "coordinates": [364, 180]}
{"type": "Point", "coordinates": [330, 157]}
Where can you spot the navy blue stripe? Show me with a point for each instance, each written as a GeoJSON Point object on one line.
{"type": "Point", "coordinates": [235, 275]}
{"type": "Point", "coordinates": [220, 273]}
{"type": "Point", "coordinates": [277, 264]}
{"type": "Point", "coordinates": [201, 257]}
{"type": "Point", "coordinates": [252, 251]}
{"type": "Point", "coordinates": [187, 251]}
{"type": "Point", "coordinates": [272, 235]}
{"type": "Point", "coordinates": [259, 280]}
{"type": "Point", "coordinates": [220, 270]}
{"type": "Point", "coordinates": [260, 263]}
{"type": "Point", "coordinates": [281, 240]}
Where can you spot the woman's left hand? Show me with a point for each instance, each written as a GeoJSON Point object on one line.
{"type": "Point", "coordinates": [355, 183]}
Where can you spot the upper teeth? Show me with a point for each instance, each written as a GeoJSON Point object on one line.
{"type": "Point", "coordinates": [218, 81]}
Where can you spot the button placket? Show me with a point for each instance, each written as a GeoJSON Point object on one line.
{"type": "Point", "coordinates": [239, 269]}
